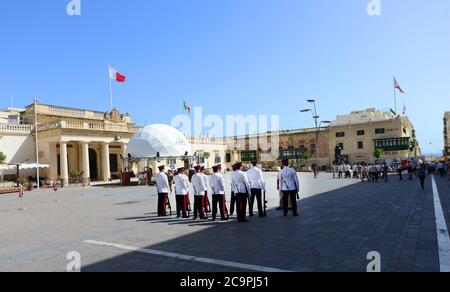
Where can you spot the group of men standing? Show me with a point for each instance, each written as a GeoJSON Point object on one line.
{"type": "Point", "coordinates": [246, 189]}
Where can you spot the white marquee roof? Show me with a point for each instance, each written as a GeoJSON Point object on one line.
{"type": "Point", "coordinates": [158, 138]}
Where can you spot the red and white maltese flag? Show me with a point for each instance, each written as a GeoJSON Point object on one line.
{"type": "Point", "coordinates": [114, 75]}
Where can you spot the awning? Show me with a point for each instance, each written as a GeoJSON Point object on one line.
{"type": "Point", "coordinates": [6, 167]}
{"type": "Point", "coordinates": [23, 166]}
{"type": "Point", "coordinates": [33, 166]}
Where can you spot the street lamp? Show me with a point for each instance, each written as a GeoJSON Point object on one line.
{"type": "Point", "coordinates": [318, 125]}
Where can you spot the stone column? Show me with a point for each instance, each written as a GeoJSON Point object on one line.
{"type": "Point", "coordinates": [64, 164]}
{"type": "Point", "coordinates": [124, 157]}
{"type": "Point", "coordinates": [85, 162]}
{"type": "Point", "coordinates": [105, 162]}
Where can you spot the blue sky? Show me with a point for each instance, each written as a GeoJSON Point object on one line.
{"type": "Point", "coordinates": [231, 57]}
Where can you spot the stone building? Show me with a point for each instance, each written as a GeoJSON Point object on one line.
{"type": "Point", "coordinates": [72, 141]}
{"type": "Point", "coordinates": [361, 132]}
{"type": "Point", "coordinates": [299, 146]}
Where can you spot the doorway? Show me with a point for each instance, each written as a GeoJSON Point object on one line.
{"type": "Point", "coordinates": [93, 164]}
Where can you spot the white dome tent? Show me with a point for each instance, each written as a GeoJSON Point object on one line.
{"type": "Point", "coordinates": [158, 141]}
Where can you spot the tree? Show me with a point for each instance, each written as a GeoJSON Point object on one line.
{"type": "Point", "coordinates": [2, 157]}
{"type": "Point", "coordinates": [378, 153]}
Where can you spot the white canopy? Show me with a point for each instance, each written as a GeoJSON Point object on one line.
{"type": "Point", "coordinates": [33, 166]}
{"type": "Point", "coordinates": [22, 166]}
{"type": "Point", "coordinates": [159, 139]}
{"type": "Point", "coordinates": [6, 167]}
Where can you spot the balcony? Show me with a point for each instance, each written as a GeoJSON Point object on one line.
{"type": "Point", "coordinates": [89, 126]}
{"type": "Point", "coordinates": [15, 129]}
{"type": "Point", "coordinates": [393, 144]}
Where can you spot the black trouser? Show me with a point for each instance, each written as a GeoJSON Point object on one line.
{"type": "Point", "coordinates": [442, 172]}
{"type": "Point", "coordinates": [256, 193]}
{"type": "Point", "coordinates": [182, 206]}
{"type": "Point", "coordinates": [400, 174]}
{"type": "Point", "coordinates": [422, 182]}
{"type": "Point", "coordinates": [233, 203]}
{"type": "Point", "coordinates": [219, 199]}
{"type": "Point", "coordinates": [206, 204]}
{"type": "Point", "coordinates": [162, 201]}
{"type": "Point", "coordinates": [199, 207]}
{"type": "Point", "coordinates": [292, 195]}
{"type": "Point", "coordinates": [241, 200]}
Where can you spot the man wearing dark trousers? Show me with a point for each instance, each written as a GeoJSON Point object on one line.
{"type": "Point", "coordinates": [198, 184]}
{"type": "Point", "coordinates": [182, 192]}
{"type": "Point", "coordinates": [162, 184]}
{"type": "Point", "coordinates": [290, 187]}
{"type": "Point", "coordinates": [241, 188]}
{"type": "Point", "coordinates": [257, 186]}
{"type": "Point", "coordinates": [218, 187]}
{"type": "Point", "coordinates": [233, 200]}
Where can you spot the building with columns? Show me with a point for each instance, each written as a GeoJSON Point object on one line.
{"type": "Point", "coordinates": [78, 142]}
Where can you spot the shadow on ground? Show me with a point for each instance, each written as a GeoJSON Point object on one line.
{"type": "Point", "coordinates": [335, 232]}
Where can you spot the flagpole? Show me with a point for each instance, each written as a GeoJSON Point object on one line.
{"type": "Point", "coordinates": [395, 96]}
{"type": "Point", "coordinates": [37, 142]}
{"type": "Point", "coordinates": [110, 88]}
{"type": "Point", "coordinates": [110, 95]}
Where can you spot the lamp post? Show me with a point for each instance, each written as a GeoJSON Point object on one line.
{"type": "Point", "coordinates": [318, 125]}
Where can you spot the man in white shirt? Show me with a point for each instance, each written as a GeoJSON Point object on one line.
{"type": "Point", "coordinates": [199, 186]}
{"type": "Point", "coordinates": [257, 186]}
{"type": "Point", "coordinates": [241, 188]}
{"type": "Point", "coordinates": [218, 193]}
{"type": "Point", "coordinates": [162, 185]}
{"type": "Point", "coordinates": [290, 187]}
{"type": "Point", "coordinates": [182, 192]}
{"type": "Point", "coordinates": [206, 203]}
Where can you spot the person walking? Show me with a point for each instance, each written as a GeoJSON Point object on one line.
{"type": "Point", "coordinates": [257, 187]}
{"type": "Point", "coordinates": [162, 185]}
{"type": "Point", "coordinates": [241, 188]}
{"type": "Point", "coordinates": [290, 187]}
{"type": "Point", "coordinates": [400, 171]}
{"type": "Point", "coordinates": [422, 174]}
{"type": "Point", "coordinates": [181, 192]}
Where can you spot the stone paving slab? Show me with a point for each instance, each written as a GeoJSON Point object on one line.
{"type": "Point", "coordinates": [341, 221]}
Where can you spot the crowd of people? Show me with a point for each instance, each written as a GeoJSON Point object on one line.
{"type": "Point", "coordinates": [375, 172]}
{"type": "Point", "coordinates": [246, 188]}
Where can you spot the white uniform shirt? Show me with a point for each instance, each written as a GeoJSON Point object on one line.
{"type": "Point", "coordinates": [205, 181]}
{"type": "Point", "coordinates": [239, 183]}
{"type": "Point", "coordinates": [198, 183]}
{"type": "Point", "coordinates": [289, 180]}
{"type": "Point", "coordinates": [217, 184]}
{"type": "Point", "coordinates": [162, 183]}
{"type": "Point", "coordinates": [181, 184]}
{"type": "Point", "coordinates": [255, 178]}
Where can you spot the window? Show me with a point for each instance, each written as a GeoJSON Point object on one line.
{"type": "Point", "coordinates": [340, 134]}
{"type": "Point", "coordinates": [360, 145]}
{"type": "Point", "coordinates": [217, 158]}
{"type": "Point", "coordinates": [380, 131]}
{"type": "Point", "coordinates": [113, 163]}
{"type": "Point", "coordinates": [361, 132]}
{"type": "Point", "coordinates": [228, 157]}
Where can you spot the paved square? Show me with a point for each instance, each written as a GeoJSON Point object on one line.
{"type": "Point", "coordinates": [116, 229]}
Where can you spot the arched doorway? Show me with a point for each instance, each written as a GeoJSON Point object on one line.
{"type": "Point", "coordinates": [93, 164]}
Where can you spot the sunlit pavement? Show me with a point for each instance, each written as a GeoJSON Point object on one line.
{"type": "Point", "coordinates": [116, 229]}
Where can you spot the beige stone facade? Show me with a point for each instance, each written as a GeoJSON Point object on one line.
{"type": "Point", "coordinates": [75, 140]}
{"type": "Point", "coordinates": [361, 132]}
{"type": "Point", "coordinates": [299, 146]}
